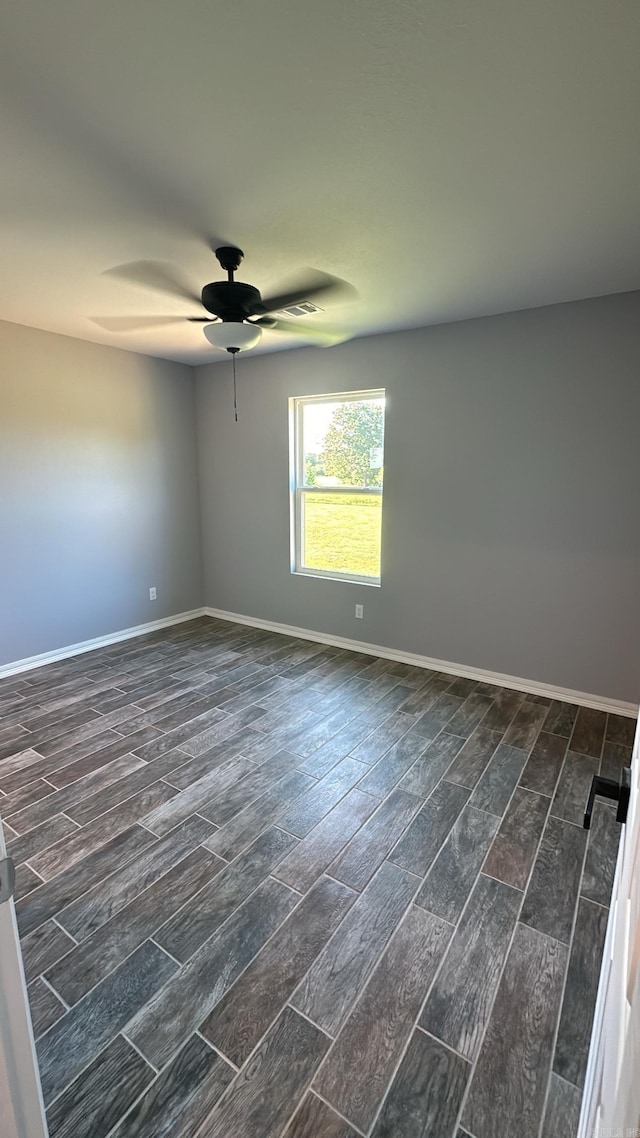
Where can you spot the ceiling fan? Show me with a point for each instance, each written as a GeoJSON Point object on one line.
{"type": "Point", "coordinates": [237, 313]}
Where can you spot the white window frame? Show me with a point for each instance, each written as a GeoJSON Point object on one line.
{"type": "Point", "coordinates": [298, 490]}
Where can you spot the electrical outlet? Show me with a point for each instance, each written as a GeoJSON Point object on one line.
{"type": "Point", "coordinates": [153, 593]}
{"type": "Point", "coordinates": [359, 612]}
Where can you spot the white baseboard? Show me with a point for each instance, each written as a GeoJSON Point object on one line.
{"type": "Point", "coordinates": [97, 642]}
{"type": "Point", "coordinates": [532, 687]}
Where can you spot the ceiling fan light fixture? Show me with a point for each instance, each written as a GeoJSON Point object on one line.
{"type": "Point", "coordinates": [233, 336]}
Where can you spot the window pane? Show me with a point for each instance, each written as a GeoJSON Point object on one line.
{"type": "Point", "coordinates": [343, 442]}
{"type": "Point", "coordinates": [341, 533]}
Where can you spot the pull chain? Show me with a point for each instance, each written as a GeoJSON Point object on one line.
{"type": "Point", "coordinates": [235, 393]}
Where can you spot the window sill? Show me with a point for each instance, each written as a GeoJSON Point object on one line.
{"type": "Point", "coordinates": [317, 575]}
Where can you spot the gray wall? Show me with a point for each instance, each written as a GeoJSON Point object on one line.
{"type": "Point", "coordinates": [99, 493]}
{"type": "Point", "coordinates": [512, 482]}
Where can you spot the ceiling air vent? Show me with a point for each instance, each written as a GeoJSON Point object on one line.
{"type": "Point", "coordinates": [303, 309]}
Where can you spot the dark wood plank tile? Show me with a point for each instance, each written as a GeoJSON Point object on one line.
{"type": "Point", "coordinates": [422, 698]}
{"type": "Point", "coordinates": [96, 905]}
{"type": "Point", "coordinates": [310, 857]}
{"type": "Point", "coordinates": [602, 854]}
{"type": "Point", "coordinates": [233, 838]}
{"type": "Point", "coordinates": [620, 729]}
{"type": "Point", "coordinates": [59, 801]}
{"type": "Point", "coordinates": [26, 795]}
{"type": "Point", "coordinates": [26, 881]}
{"type": "Point", "coordinates": [571, 795]}
{"type": "Point", "coordinates": [336, 977]}
{"type": "Point", "coordinates": [504, 707]}
{"type": "Point", "coordinates": [194, 744]}
{"type": "Point", "coordinates": [175, 712]}
{"type": "Point", "coordinates": [244, 1014]}
{"type": "Point", "coordinates": [81, 1034]}
{"type": "Point", "coordinates": [388, 771]}
{"type": "Point", "coordinates": [101, 1094]}
{"type": "Point", "coordinates": [46, 1008]}
{"type": "Point", "coordinates": [454, 872]}
{"type": "Point", "coordinates": [211, 727]}
{"type": "Point", "coordinates": [193, 769]}
{"type": "Point", "coordinates": [314, 1119]}
{"type": "Point", "coordinates": [419, 846]}
{"type": "Point", "coordinates": [368, 848]}
{"type": "Point", "coordinates": [472, 760]}
{"type": "Point", "coordinates": [51, 729]}
{"type": "Point", "coordinates": [187, 802]}
{"type": "Point", "coordinates": [225, 692]}
{"type": "Point", "coordinates": [27, 846]}
{"type": "Point", "coordinates": [578, 1007]}
{"type": "Point", "coordinates": [287, 728]}
{"type": "Point", "coordinates": [74, 754]}
{"type": "Point", "coordinates": [562, 1113]}
{"type": "Point", "coordinates": [358, 1069]}
{"type": "Point", "coordinates": [199, 918]}
{"type": "Point", "coordinates": [21, 762]}
{"type": "Point", "coordinates": [544, 764]}
{"type": "Point", "coordinates": [259, 779]}
{"type": "Point", "coordinates": [551, 897]}
{"type": "Point", "coordinates": [588, 733]}
{"type": "Point", "coordinates": [50, 898]}
{"type": "Point", "coordinates": [168, 1019]}
{"type": "Point", "coordinates": [426, 1093]}
{"type": "Point", "coordinates": [515, 846]}
{"type": "Point", "coordinates": [525, 725]}
{"type": "Point", "coordinates": [264, 1095]}
{"type": "Point", "coordinates": [459, 1005]}
{"type": "Point", "coordinates": [377, 744]}
{"type": "Point", "coordinates": [328, 726]}
{"type": "Point", "coordinates": [614, 756]}
{"type": "Point", "coordinates": [510, 1078]}
{"type": "Point", "coordinates": [63, 737]}
{"type": "Point", "coordinates": [182, 1096]}
{"type": "Point", "coordinates": [472, 712]}
{"type": "Point", "coordinates": [107, 947]}
{"type": "Point", "coordinates": [8, 749]}
{"type": "Point", "coordinates": [315, 803]}
{"type": "Point", "coordinates": [560, 718]}
{"type": "Point", "coordinates": [42, 948]}
{"type": "Point", "coordinates": [82, 842]}
{"type": "Point", "coordinates": [337, 748]}
{"type": "Point", "coordinates": [499, 780]}
{"type": "Point", "coordinates": [433, 764]}
{"type": "Point", "coordinates": [71, 772]}
{"type": "Point", "coordinates": [461, 685]}
{"type": "Point", "coordinates": [432, 722]}
{"type": "Point", "coordinates": [91, 803]}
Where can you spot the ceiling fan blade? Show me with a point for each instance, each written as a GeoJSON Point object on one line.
{"type": "Point", "coordinates": [317, 284]}
{"type": "Point", "coordinates": [156, 275]}
{"type": "Point", "coordinates": [326, 336]}
{"type": "Point", "coordinates": [133, 323]}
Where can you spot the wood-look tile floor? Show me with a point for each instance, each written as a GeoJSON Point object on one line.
{"type": "Point", "coordinates": [270, 889]}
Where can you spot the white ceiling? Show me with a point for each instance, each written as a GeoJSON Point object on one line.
{"type": "Point", "coordinates": [450, 158]}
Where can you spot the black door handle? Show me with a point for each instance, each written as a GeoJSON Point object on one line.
{"type": "Point", "coordinates": [607, 788]}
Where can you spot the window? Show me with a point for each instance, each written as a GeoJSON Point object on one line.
{"type": "Point", "coordinates": [337, 462]}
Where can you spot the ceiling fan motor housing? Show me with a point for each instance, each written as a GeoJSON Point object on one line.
{"type": "Point", "coordinates": [231, 300]}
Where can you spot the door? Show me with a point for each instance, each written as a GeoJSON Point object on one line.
{"type": "Point", "coordinates": [21, 1106]}
{"type": "Point", "coordinates": [611, 1102]}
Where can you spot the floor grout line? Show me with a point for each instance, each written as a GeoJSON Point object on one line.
{"type": "Point", "coordinates": [56, 993]}
{"type": "Point", "coordinates": [564, 983]}
{"type": "Point", "coordinates": [185, 654]}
